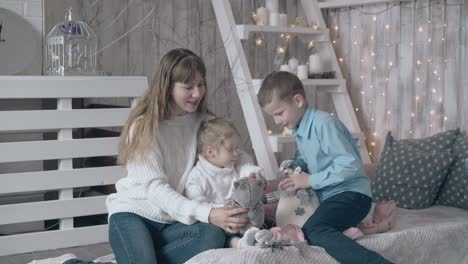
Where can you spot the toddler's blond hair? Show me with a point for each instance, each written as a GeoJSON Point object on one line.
{"type": "Point", "coordinates": [215, 132]}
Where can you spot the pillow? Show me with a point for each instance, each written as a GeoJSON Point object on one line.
{"type": "Point", "coordinates": [454, 191]}
{"type": "Point", "coordinates": [440, 141]}
{"type": "Point", "coordinates": [410, 173]}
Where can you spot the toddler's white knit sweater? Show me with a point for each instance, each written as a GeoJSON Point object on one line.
{"type": "Point", "coordinates": [154, 185]}
{"type": "Point", "coordinates": [212, 185]}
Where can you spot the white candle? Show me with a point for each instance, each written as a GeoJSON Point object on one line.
{"type": "Point", "coordinates": [274, 19]}
{"type": "Point", "coordinates": [262, 16]}
{"type": "Point", "coordinates": [284, 67]}
{"type": "Point", "coordinates": [293, 62]}
{"type": "Point", "coordinates": [272, 5]}
{"type": "Point", "coordinates": [315, 63]}
{"type": "Point", "coordinates": [302, 71]}
{"type": "Point", "coordinates": [283, 20]}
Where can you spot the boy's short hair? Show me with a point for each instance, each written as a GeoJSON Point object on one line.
{"type": "Point", "coordinates": [282, 83]}
{"type": "Point", "coordinates": [214, 132]}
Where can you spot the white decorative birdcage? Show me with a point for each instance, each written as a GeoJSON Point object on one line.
{"type": "Point", "coordinates": [71, 48]}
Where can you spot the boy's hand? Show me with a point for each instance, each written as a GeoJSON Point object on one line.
{"type": "Point", "coordinates": [295, 182]}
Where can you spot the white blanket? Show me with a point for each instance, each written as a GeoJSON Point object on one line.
{"type": "Point", "coordinates": [433, 235]}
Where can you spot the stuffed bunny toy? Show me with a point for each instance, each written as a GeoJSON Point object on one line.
{"type": "Point", "coordinates": [286, 235]}
{"type": "Point", "coordinates": [276, 236]}
{"type": "Point", "coordinates": [247, 194]}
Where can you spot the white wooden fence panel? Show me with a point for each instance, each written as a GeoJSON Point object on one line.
{"type": "Point", "coordinates": [56, 119]}
{"type": "Point", "coordinates": [30, 242]}
{"type": "Point", "coordinates": [58, 149]}
{"type": "Point", "coordinates": [57, 179]}
{"type": "Point", "coordinates": [65, 164]}
{"type": "Point", "coordinates": [70, 87]}
{"type": "Point", "coordinates": [36, 211]}
{"type": "Point", "coordinates": [64, 149]}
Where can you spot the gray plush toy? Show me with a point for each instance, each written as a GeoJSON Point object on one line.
{"type": "Point", "coordinates": [247, 194]}
{"type": "Point", "coordinates": [298, 208]}
{"type": "Point", "coordinates": [293, 167]}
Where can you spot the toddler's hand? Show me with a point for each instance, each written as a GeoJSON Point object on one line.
{"type": "Point", "coordinates": [295, 182]}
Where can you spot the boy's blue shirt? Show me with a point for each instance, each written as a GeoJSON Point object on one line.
{"type": "Point", "coordinates": [333, 160]}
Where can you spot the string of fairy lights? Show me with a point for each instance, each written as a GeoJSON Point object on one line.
{"type": "Point", "coordinates": [434, 73]}
{"type": "Point", "coordinates": [434, 70]}
{"type": "Point", "coordinates": [372, 94]}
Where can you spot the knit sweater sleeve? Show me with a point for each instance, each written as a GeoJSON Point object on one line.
{"type": "Point", "coordinates": [164, 196]}
{"type": "Point", "coordinates": [195, 187]}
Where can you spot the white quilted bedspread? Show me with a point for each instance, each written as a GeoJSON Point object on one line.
{"type": "Point", "coordinates": [433, 235]}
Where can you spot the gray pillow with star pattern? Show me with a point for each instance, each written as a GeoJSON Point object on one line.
{"type": "Point", "coordinates": [440, 141]}
{"type": "Point", "coordinates": [454, 190]}
{"type": "Point", "coordinates": [410, 172]}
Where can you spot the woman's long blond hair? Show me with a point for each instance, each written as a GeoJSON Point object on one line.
{"type": "Point", "coordinates": [178, 65]}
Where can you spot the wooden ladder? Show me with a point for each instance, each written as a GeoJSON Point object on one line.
{"type": "Point", "coordinates": [264, 144]}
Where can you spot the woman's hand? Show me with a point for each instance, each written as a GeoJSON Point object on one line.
{"type": "Point", "coordinates": [295, 182]}
{"type": "Point", "coordinates": [224, 218]}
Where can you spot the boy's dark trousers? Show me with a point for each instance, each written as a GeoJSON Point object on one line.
{"type": "Point", "coordinates": [334, 215]}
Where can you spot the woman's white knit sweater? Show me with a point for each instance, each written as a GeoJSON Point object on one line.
{"type": "Point", "coordinates": [154, 185]}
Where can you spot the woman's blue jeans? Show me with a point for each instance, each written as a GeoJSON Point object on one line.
{"type": "Point", "coordinates": [137, 240]}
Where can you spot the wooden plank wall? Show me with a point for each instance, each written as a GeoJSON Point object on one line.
{"type": "Point", "coordinates": [134, 35]}
{"type": "Point", "coordinates": [418, 48]}
{"type": "Point", "coordinates": [406, 66]}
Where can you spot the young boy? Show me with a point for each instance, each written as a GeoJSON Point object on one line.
{"type": "Point", "coordinates": [334, 168]}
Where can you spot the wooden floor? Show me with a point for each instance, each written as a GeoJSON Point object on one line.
{"type": "Point", "coordinates": [87, 253]}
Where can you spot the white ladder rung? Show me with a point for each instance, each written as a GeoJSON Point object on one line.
{"type": "Point", "coordinates": [323, 82]}
{"type": "Point", "coordinates": [331, 85]}
{"type": "Point", "coordinates": [316, 34]}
